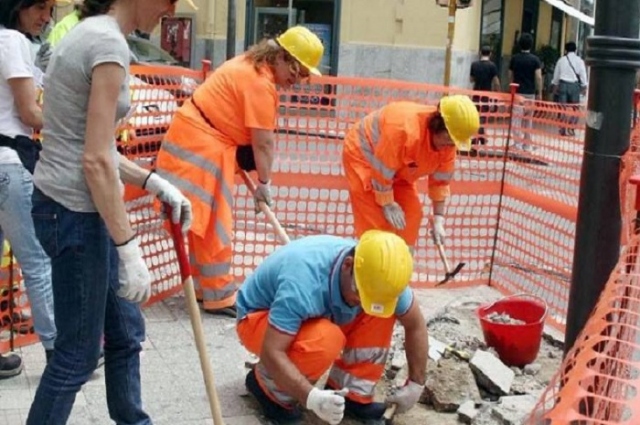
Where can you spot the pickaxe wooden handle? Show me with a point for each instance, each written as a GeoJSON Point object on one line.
{"type": "Point", "coordinates": [271, 217]}
{"type": "Point", "coordinates": [449, 274]}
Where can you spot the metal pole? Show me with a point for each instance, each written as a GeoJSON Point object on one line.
{"type": "Point", "coordinates": [613, 53]}
{"type": "Point", "coordinates": [451, 30]}
{"type": "Point", "coordinates": [231, 29]}
{"type": "Point", "coordinates": [290, 14]}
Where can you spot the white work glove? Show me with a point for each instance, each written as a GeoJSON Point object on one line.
{"type": "Point", "coordinates": [406, 397]}
{"type": "Point", "coordinates": [168, 193]}
{"type": "Point", "coordinates": [394, 215]}
{"type": "Point", "coordinates": [327, 404]}
{"type": "Point", "coordinates": [437, 230]}
{"type": "Point", "coordinates": [43, 56]}
{"type": "Point", "coordinates": [133, 274]}
{"type": "Point", "coordinates": [263, 194]}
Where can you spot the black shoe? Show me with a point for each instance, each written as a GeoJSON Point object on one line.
{"type": "Point", "coordinates": [273, 411]}
{"type": "Point", "coordinates": [49, 354]}
{"type": "Point", "coordinates": [100, 360]}
{"type": "Point", "coordinates": [10, 365]}
{"type": "Point", "coordinates": [230, 311]}
{"type": "Point", "coordinates": [368, 413]}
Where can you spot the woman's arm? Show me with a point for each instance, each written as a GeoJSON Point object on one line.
{"type": "Point", "coordinates": [262, 142]}
{"type": "Point", "coordinates": [25, 97]}
{"type": "Point", "coordinates": [97, 161]}
{"type": "Point", "coordinates": [132, 173]}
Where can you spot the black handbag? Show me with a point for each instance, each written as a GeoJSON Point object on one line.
{"type": "Point", "coordinates": [245, 159]}
{"type": "Point", "coordinates": [28, 149]}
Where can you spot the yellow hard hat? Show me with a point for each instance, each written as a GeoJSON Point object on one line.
{"type": "Point", "coordinates": [304, 46]}
{"type": "Point", "coordinates": [461, 119]}
{"type": "Point", "coordinates": [4, 254]}
{"type": "Point", "coordinates": [382, 267]}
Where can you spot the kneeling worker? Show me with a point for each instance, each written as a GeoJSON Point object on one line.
{"type": "Point", "coordinates": [321, 301]}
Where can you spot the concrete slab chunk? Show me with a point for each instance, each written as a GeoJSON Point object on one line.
{"type": "Point", "coordinates": [467, 412]}
{"type": "Point", "coordinates": [491, 374]}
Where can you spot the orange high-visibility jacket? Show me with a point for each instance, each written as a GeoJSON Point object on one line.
{"type": "Point", "coordinates": [394, 143]}
{"type": "Point", "coordinates": [198, 152]}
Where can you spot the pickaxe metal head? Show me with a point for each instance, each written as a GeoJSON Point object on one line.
{"type": "Point", "coordinates": [449, 274]}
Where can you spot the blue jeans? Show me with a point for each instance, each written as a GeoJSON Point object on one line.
{"type": "Point", "coordinates": [16, 187]}
{"type": "Point", "coordinates": [85, 280]}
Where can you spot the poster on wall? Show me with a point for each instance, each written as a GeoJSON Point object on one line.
{"type": "Point", "coordinates": [176, 37]}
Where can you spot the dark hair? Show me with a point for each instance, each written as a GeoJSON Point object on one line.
{"type": "Point", "coordinates": [570, 46]}
{"type": "Point", "coordinates": [485, 50]}
{"type": "Point", "coordinates": [10, 11]}
{"type": "Point", "coordinates": [94, 7]}
{"type": "Point", "coordinates": [526, 41]}
{"type": "Point", "coordinates": [436, 124]}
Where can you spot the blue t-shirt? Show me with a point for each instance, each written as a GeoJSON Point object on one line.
{"type": "Point", "coordinates": [301, 281]}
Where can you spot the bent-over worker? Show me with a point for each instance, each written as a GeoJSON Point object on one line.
{"type": "Point", "coordinates": [230, 120]}
{"type": "Point", "coordinates": [321, 301]}
{"type": "Point", "coordinates": [391, 148]}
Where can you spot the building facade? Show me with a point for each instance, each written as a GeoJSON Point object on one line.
{"type": "Point", "coordinates": [399, 39]}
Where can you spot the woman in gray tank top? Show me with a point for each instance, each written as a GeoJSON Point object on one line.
{"type": "Point", "coordinates": [100, 278]}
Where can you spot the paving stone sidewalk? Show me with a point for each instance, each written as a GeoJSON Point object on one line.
{"type": "Point", "coordinates": [173, 388]}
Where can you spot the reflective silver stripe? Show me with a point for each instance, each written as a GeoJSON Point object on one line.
{"type": "Point", "coordinates": [365, 355]}
{"type": "Point", "coordinates": [222, 234]}
{"type": "Point", "coordinates": [219, 294]}
{"type": "Point", "coordinates": [362, 387]}
{"type": "Point", "coordinates": [272, 388]}
{"type": "Point", "coordinates": [379, 187]}
{"type": "Point", "coordinates": [367, 148]}
{"type": "Point", "coordinates": [188, 187]}
{"type": "Point", "coordinates": [440, 175]}
{"type": "Point", "coordinates": [202, 163]}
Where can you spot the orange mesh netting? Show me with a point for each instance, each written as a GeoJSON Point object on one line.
{"type": "Point", "coordinates": [511, 216]}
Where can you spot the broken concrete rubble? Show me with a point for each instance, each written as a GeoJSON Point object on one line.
{"type": "Point", "coordinates": [454, 325]}
{"type": "Point", "coordinates": [449, 385]}
{"type": "Point", "coordinates": [512, 410]}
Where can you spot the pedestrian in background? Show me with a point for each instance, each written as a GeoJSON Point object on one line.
{"type": "Point", "coordinates": [569, 82]}
{"type": "Point", "coordinates": [229, 122]}
{"type": "Point", "coordinates": [484, 77]}
{"type": "Point", "coordinates": [100, 277]}
{"type": "Point", "coordinates": [525, 69]}
{"type": "Point", "coordinates": [20, 116]}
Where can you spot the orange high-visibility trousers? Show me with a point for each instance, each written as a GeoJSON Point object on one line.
{"type": "Point", "coordinates": [195, 159]}
{"type": "Point", "coordinates": [358, 352]}
{"type": "Point", "coordinates": [367, 214]}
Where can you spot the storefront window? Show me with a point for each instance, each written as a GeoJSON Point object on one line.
{"type": "Point", "coordinates": [588, 7]}
{"type": "Point", "coordinates": [491, 27]}
{"type": "Point", "coordinates": [268, 18]}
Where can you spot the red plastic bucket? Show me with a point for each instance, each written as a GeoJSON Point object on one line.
{"type": "Point", "coordinates": [516, 345]}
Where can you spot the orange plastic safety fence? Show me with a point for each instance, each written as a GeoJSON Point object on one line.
{"type": "Point", "coordinates": [511, 216]}
{"type": "Point", "coordinates": [599, 380]}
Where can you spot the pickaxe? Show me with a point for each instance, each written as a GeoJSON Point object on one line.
{"type": "Point", "coordinates": [449, 274]}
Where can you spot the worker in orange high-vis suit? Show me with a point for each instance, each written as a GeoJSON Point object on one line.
{"type": "Point", "coordinates": [390, 149]}
{"type": "Point", "coordinates": [230, 122]}
{"type": "Point", "coordinates": [325, 302]}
